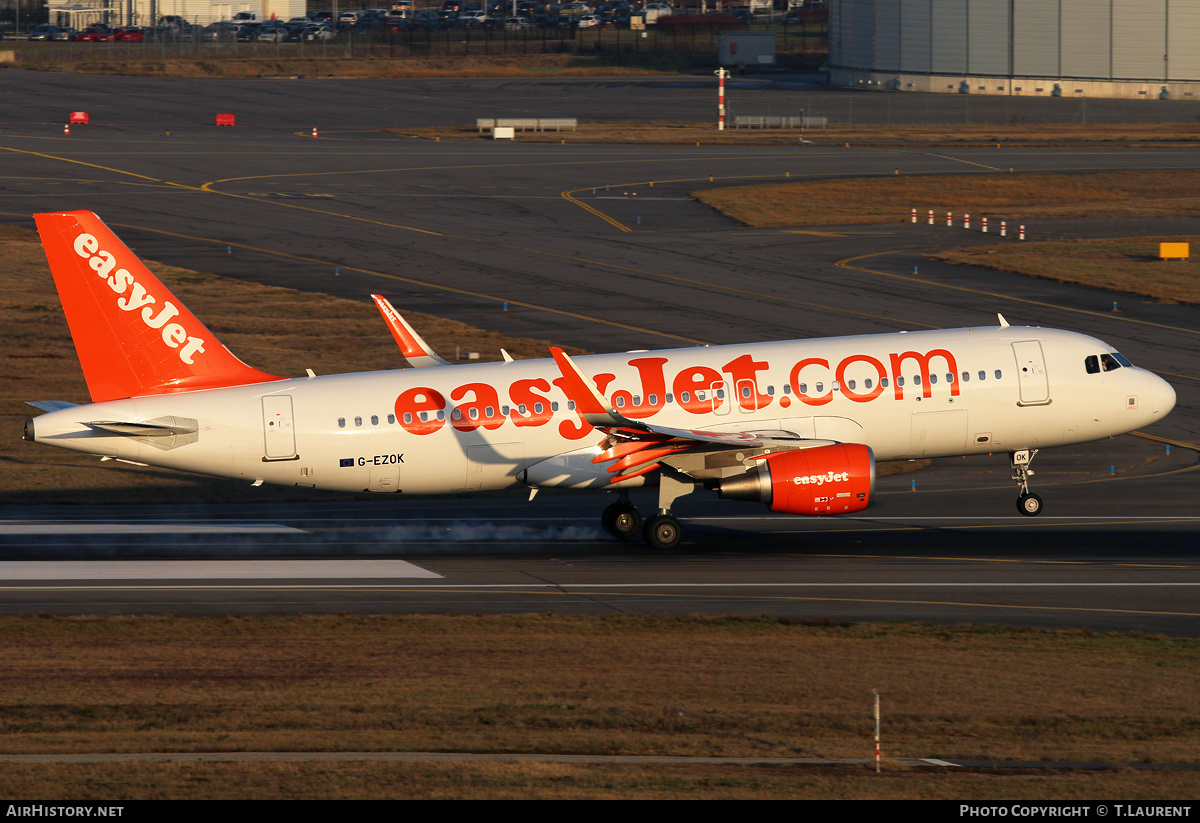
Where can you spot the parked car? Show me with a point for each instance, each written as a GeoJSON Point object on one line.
{"type": "Point", "coordinates": [517, 24]}
{"type": "Point", "coordinates": [309, 32]}
{"type": "Point", "coordinates": [246, 17]}
{"type": "Point", "coordinates": [222, 31]}
{"type": "Point", "coordinates": [63, 33]}
{"type": "Point", "coordinates": [131, 34]}
{"type": "Point", "coordinates": [271, 33]}
{"type": "Point", "coordinates": [588, 21]}
{"type": "Point", "coordinates": [48, 32]}
{"type": "Point", "coordinates": [89, 34]}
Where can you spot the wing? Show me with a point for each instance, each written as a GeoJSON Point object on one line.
{"type": "Point", "coordinates": [634, 447]}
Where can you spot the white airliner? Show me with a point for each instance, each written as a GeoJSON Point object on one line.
{"type": "Point", "coordinates": [797, 425]}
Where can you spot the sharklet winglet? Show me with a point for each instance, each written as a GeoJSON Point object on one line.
{"type": "Point", "coordinates": [415, 350]}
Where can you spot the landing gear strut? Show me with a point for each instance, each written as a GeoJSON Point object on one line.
{"type": "Point", "coordinates": [1028, 503]}
{"type": "Point", "coordinates": [662, 530]}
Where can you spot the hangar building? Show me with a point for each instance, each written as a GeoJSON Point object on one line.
{"type": "Point", "coordinates": [1061, 48]}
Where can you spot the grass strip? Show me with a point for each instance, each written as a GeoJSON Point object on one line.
{"type": "Point", "coordinates": [1128, 265]}
{"type": "Point", "coordinates": [624, 684]}
{"type": "Point", "coordinates": [1011, 197]}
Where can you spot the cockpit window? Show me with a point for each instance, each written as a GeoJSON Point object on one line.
{"type": "Point", "coordinates": [1109, 361]}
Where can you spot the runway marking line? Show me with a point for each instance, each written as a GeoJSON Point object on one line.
{"type": "Point", "coordinates": [525, 304]}
{"type": "Point", "coordinates": [414, 281]}
{"type": "Point", "coordinates": [846, 264]}
{"type": "Point", "coordinates": [207, 187]}
{"type": "Point", "coordinates": [559, 589]}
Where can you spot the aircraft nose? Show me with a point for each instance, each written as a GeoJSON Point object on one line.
{"type": "Point", "coordinates": [1164, 397]}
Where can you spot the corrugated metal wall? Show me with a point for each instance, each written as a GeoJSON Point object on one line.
{"type": "Point", "coordinates": [1146, 40]}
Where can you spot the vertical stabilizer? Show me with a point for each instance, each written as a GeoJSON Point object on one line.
{"type": "Point", "coordinates": [132, 335]}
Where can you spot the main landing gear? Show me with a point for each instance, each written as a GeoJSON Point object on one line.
{"type": "Point", "coordinates": [662, 530]}
{"type": "Point", "coordinates": [622, 519]}
{"type": "Point", "coordinates": [1028, 503]}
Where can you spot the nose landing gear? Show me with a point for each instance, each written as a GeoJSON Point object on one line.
{"type": "Point", "coordinates": [1028, 503]}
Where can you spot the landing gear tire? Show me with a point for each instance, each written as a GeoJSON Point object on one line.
{"type": "Point", "coordinates": [1029, 505]}
{"type": "Point", "coordinates": [622, 520]}
{"type": "Point", "coordinates": [662, 531]}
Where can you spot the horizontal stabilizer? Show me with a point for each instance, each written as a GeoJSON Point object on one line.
{"type": "Point", "coordinates": [51, 405]}
{"type": "Point", "coordinates": [147, 428]}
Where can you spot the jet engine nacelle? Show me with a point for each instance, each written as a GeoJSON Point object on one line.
{"type": "Point", "coordinates": [831, 479]}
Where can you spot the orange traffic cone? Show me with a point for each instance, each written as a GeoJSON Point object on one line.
{"type": "Point", "coordinates": [314, 131]}
{"type": "Point", "coordinates": [66, 128]}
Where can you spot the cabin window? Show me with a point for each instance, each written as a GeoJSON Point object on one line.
{"type": "Point", "coordinates": [670, 398]}
{"type": "Point", "coordinates": [554, 406]}
{"type": "Point", "coordinates": [504, 410]}
{"type": "Point", "coordinates": [408, 417]}
{"type": "Point", "coordinates": [456, 414]}
{"type": "Point", "coordinates": [932, 379]}
{"type": "Point", "coordinates": [1108, 362]}
{"type": "Point", "coordinates": [699, 395]}
{"type": "Point", "coordinates": [804, 388]}
{"type": "Point", "coordinates": [654, 400]}
{"type": "Point", "coordinates": [571, 405]}
{"type": "Point", "coordinates": [837, 386]}
{"type": "Point", "coordinates": [637, 400]}
{"type": "Point", "coordinates": [620, 402]}
{"type": "Point", "coordinates": [537, 408]}
{"type": "Point", "coordinates": [720, 394]}
{"type": "Point", "coordinates": [341, 422]}
{"type": "Point", "coordinates": [746, 391]}
{"type": "Point", "coordinates": [850, 385]}
{"type": "Point", "coordinates": [391, 419]}
{"type": "Point", "coordinates": [883, 381]}
{"type": "Point", "coordinates": [966, 377]}
{"type": "Point", "coordinates": [374, 420]}
{"type": "Point", "coordinates": [916, 380]}
{"type": "Point", "coordinates": [997, 374]}
{"type": "Point", "coordinates": [983, 375]}
{"type": "Point", "coordinates": [949, 377]}
{"type": "Point", "coordinates": [899, 381]}
{"type": "Point", "coordinates": [424, 417]}
{"type": "Point", "coordinates": [491, 412]}
{"type": "Point", "coordinates": [441, 415]}
{"type": "Point", "coordinates": [685, 397]}
{"type": "Point", "coordinates": [358, 422]}
{"type": "Point", "coordinates": [770, 391]}
{"type": "Point", "coordinates": [521, 408]}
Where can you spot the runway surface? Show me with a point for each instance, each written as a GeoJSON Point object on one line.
{"type": "Point", "coordinates": [601, 247]}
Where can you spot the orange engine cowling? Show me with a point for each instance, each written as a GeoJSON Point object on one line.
{"type": "Point", "coordinates": [831, 479]}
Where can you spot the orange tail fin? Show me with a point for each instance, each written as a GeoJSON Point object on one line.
{"type": "Point", "coordinates": [132, 335]}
